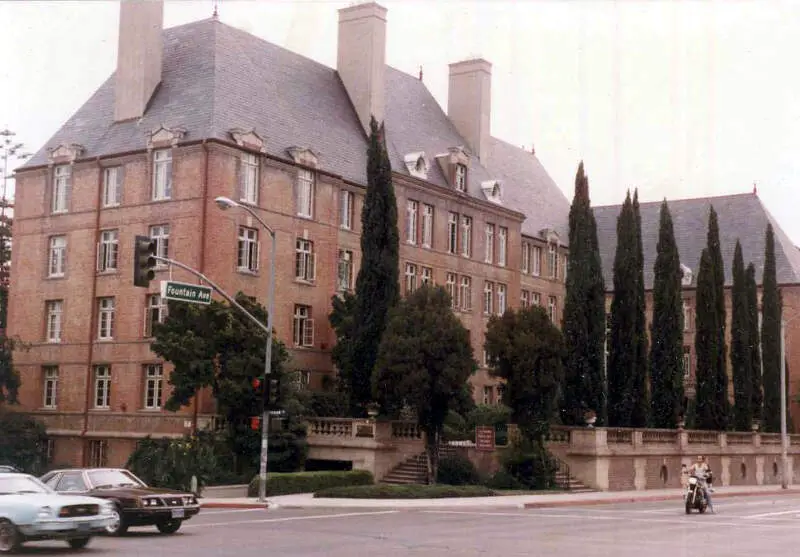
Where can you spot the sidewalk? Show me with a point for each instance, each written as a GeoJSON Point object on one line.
{"type": "Point", "coordinates": [307, 500]}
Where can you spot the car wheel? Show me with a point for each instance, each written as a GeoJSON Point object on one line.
{"type": "Point", "coordinates": [10, 540]}
{"type": "Point", "coordinates": [79, 543]}
{"type": "Point", "coordinates": [118, 527]}
{"type": "Point", "coordinates": [169, 526]}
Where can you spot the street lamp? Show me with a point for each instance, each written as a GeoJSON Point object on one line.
{"type": "Point", "coordinates": [226, 203]}
{"type": "Point", "coordinates": [784, 435]}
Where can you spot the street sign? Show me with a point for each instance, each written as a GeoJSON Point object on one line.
{"type": "Point", "coordinates": [484, 438]}
{"type": "Point", "coordinates": [183, 292]}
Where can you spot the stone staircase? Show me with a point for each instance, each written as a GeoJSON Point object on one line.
{"type": "Point", "coordinates": [569, 483]}
{"type": "Point", "coordinates": [415, 469]}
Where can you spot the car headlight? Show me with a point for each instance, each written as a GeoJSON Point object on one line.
{"type": "Point", "coordinates": [45, 512]}
{"type": "Point", "coordinates": [107, 508]}
{"type": "Point", "coordinates": [149, 502]}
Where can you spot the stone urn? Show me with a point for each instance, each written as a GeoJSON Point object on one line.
{"type": "Point", "coordinates": [373, 408]}
{"type": "Point", "coordinates": [590, 417]}
{"type": "Point", "coordinates": [755, 425]}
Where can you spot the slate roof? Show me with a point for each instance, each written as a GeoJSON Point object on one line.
{"type": "Point", "coordinates": [741, 217]}
{"type": "Point", "coordinates": [216, 77]}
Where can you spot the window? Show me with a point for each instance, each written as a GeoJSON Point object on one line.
{"type": "Point", "coordinates": [55, 310]}
{"type": "Point", "coordinates": [304, 260]}
{"type": "Point", "coordinates": [490, 243]}
{"type": "Point", "coordinates": [564, 265]}
{"type": "Point", "coordinates": [552, 260]}
{"type": "Point", "coordinates": [155, 312]}
{"type": "Point", "coordinates": [62, 181]}
{"type": "Point", "coordinates": [303, 326]}
{"type": "Point", "coordinates": [248, 179]}
{"type": "Point", "coordinates": [551, 308]}
{"type": "Point", "coordinates": [346, 209]}
{"type": "Point", "coordinates": [247, 259]}
{"type": "Point", "coordinates": [49, 450]}
{"type": "Point", "coordinates": [450, 286]}
{"type": "Point", "coordinates": [488, 298]}
{"type": "Point", "coordinates": [502, 247]}
{"type": "Point", "coordinates": [153, 386]}
{"type": "Point", "coordinates": [72, 482]}
{"type": "Point", "coordinates": [305, 193]}
{"type": "Point", "coordinates": [501, 391]}
{"type": "Point", "coordinates": [412, 208]}
{"type": "Point", "coordinates": [536, 299]}
{"type": "Point", "coordinates": [427, 226]}
{"type": "Point", "coordinates": [466, 236]}
{"type": "Point", "coordinates": [302, 378]}
{"type": "Point", "coordinates": [112, 186]}
{"type": "Point", "coordinates": [411, 278]}
{"type": "Point", "coordinates": [108, 251]}
{"type": "Point", "coordinates": [687, 362]}
{"type": "Point", "coordinates": [58, 256]}
{"type": "Point", "coordinates": [501, 299]}
{"type": "Point", "coordinates": [687, 315]}
{"type": "Point", "coordinates": [162, 174]}
{"type": "Point", "coordinates": [452, 233]}
{"type": "Point", "coordinates": [160, 233]}
{"type": "Point", "coordinates": [102, 386]}
{"type": "Point", "coordinates": [461, 177]}
{"type": "Point", "coordinates": [98, 453]}
{"type": "Point", "coordinates": [50, 390]}
{"type": "Point", "coordinates": [487, 395]}
{"type": "Point", "coordinates": [465, 293]}
{"type": "Point", "coordinates": [105, 318]}
{"type": "Point", "coordinates": [526, 258]}
{"type": "Point", "coordinates": [345, 270]}
{"type": "Point", "coordinates": [525, 299]}
{"type": "Point", "coordinates": [536, 267]}
{"type": "Point", "coordinates": [426, 277]}
{"type": "Point", "coordinates": [484, 358]}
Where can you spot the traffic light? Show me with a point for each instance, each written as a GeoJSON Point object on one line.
{"type": "Point", "coordinates": [143, 261]}
{"type": "Point", "coordinates": [273, 393]}
{"type": "Point", "coordinates": [255, 423]}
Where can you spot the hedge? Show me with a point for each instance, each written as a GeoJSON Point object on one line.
{"type": "Point", "coordinates": [384, 491]}
{"type": "Point", "coordinates": [308, 482]}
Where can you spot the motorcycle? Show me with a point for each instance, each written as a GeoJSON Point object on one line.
{"type": "Point", "coordinates": [695, 498]}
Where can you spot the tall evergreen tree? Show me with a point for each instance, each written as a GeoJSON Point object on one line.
{"type": "Point", "coordinates": [756, 389]}
{"type": "Point", "coordinates": [741, 361]}
{"type": "Point", "coordinates": [377, 288]}
{"type": "Point", "coordinates": [666, 329]}
{"type": "Point", "coordinates": [584, 313]}
{"type": "Point", "coordinates": [640, 413]}
{"type": "Point", "coordinates": [705, 343]}
{"type": "Point", "coordinates": [722, 401]}
{"type": "Point", "coordinates": [771, 337]}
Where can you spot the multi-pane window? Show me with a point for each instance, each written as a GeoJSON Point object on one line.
{"type": "Point", "coordinates": [501, 392]}
{"type": "Point", "coordinates": [564, 265]}
{"type": "Point", "coordinates": [501, 299]}
{"type": "Point", "coordinates": [160, 233]}
{"type": "Point", "coordinates": [346, 209]}
{"type": "Point", "coordinates": [487, 395]}
{"type": "Point", "coordinates": [345, 271]}
{"type": "Point", "coordinates": [108, 251]}
{"type": "Point", "coordinates": [488, 298]}
{"type": "Point", "coordinates": [58, 256]}
{"type": "Point", "coordinates": [461, 177]}
{"type": "Point", "coordinates": [450, 286]}
{"type": "Point", "coordinates": [98, 453]}
{"type": "Point", "coordinates": [412, 212]}
{"type": "Point", "coordinates": [426, 276]}
{"type": "Point", "coordinates": [502, 246]}
{"type": "Point", "coordinates": [536, 299]}
{"type": "Point", "coordinates": [112, 186]}
{"type": "Point", "coordinates": [247, 257]}
{"type": "Point", "coordinates": [105, 318]}
{"type": "Point", "coordinates": [466, 236]}
{"type": "Point", "coordinates": [62, 181]}
{"type": "Point", "coordinates": [155, 312]}
{"type": "Point", "coordinates": [489, 243]}
{"type": "Point", "coordinates": [305, 193]}
{"type": "Point", "coordinates": [551, 308]}
{"type": "Point", "coordinates": [411, 278]}
{"type": "Point", "coordinates": [687, 315]}
{"type": "Point", "coordinates": [162, 174]}
{"type": "Point", "coordinates": [153, 386]}
{"type": "Point", "coordinates": [304, 260]}
{"type": "Point", "coordinates": [465, 293]}
{"type": "Point", "coordinates": [50, 386]}
{"type": "Point", "coordinates": [687, 362]}
{"type": "Point", "coordinates": [452, 233]}
{"type": "Point", "coordinates": [55, 310]}
{"type": "Point", "coordinates": [525, 299]}
{"type": "Point", "coordinates": [248, 179]}
{"type": "Point", "coordinates": [427, 226]}
{"type": "Point", "coordinates": [536, 261]}
{"type": "Point", "coordinates": [303, 326]}
{"type": "Point", "coordinates": [302, 379]}
{"type": "Point", "coordinates": [526, 258]}
{"type": "Point", "coordinates": [552, 260]}
{"type": "Point", "coordinates": [102, 386]}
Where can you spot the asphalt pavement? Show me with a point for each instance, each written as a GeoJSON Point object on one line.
{"type": "Point", "coordinates": [743, 526]}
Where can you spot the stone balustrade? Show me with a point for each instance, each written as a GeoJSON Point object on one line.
{"type": "Point", "coordinates": [345, 428]}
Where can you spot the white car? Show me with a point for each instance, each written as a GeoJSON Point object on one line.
{"type": "Point", "coordinates": [31, 511]}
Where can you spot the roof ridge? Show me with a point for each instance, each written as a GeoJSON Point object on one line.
{"type": "Point", "coordinates": [702, 198]}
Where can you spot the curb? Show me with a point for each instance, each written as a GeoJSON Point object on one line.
{"type": "Point", "coordinates": [235, 506]}
{"type": "Point", "coordinates": [650, 499]}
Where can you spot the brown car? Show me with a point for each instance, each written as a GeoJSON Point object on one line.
{"type": "Point", "coordinates": [136, 503]}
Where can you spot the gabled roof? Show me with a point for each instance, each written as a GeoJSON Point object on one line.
{"type": "Point", "coordinates": [216, 78]}
{"type": "Point", "coordinates": [741, 217]}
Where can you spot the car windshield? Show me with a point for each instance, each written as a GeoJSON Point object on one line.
{"type": "Point", "coordinates": [103, 479]}
{"type": "Point", "coordinates": [16, 485]}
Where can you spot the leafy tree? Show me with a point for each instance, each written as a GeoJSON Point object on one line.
{"type": "Point", "coordinates": [342, 319]}
{"type": "Point", "coordinates": [23, 442]}
{"type": "Point", "coordinates": [741, 360]}
{"type": "Point", "coordinates": [424, 360]}
{"type": "Point", "coordinates": [377, 288]}
{"type": "Point", "coordinates": [666, 329]}
{"type": "Point", "coordinates": [756, 389]}
{"type": "Point", "coordinates": [527, 350]}
{"type": "Point", "coordinates": [722, 400]}
{"type": "Point", "coordinates": [771, 309]}
{"type": "Point", "coordinates": [584, 313]}
{"type": "Point", "coordinates": [9, 377]}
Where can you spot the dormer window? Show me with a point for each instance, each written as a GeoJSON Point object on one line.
{"type": "Point", "coordinates": [461, 178]}
{"type": "Point", "coordinates": [686, 279]}
{"type": "Point", "coordinates": [416, 165]}
{"type": "Point", "coordinates": [492, 192]}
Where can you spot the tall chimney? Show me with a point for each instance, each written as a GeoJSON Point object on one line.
{"type": "Point", "coordinates": [361, 59]}
{"type": "Point", "coordinates": [139, 57]}
{"type": "Point", "coordinates": [469, 103]}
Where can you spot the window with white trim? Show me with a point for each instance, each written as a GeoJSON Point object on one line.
{"type": "Point", "coordinates": [536, 299]}
{"type": "Point", "coordinates": [461, 177]}
{"type": "Point", "coordinates": [551, 308]}
{"type": "Point", "coordinates": [466, 236]}
{"type": "Point", "coordinates": [62, 182]}
{"type": "Point", "coordinates": [102, 386]}
{"type": "Point", "coordinates": [501, 299]}
{"type": "Point", "coordinates": [55, 311]}
{"type": "Point", "coordinates": [564, 265]}
{"type": "Point", "coordinates": [108, 251]}
{"type": "Point", "coordinates": [160, 233]}
{"type": "Point", "coordinates": [450, 286]}
{"type": "Point", "coordinates": [687, 315]}
{"type": "Point", "coordinates": [502, 246]}
{"type": "Point", "coordinates": [305, 193]}
{"type": "Point", "coordinates": [487, 395]}
{"type": "Point", "coordinates": [247, 256]}
{"type": "Point", "coordinates": [552, 260]}
{"type": "Point", "coordinates": [346, 209]}
{"type": "Point", "coordinates": [687, 362]}
{"type": "Point", "coordinates": [162, 174]}
{"type": "Point", "coordinates": [536, 261]}
{"type": "Point", "coordinates": [452, 233]}
{"type": "Point", "coordinates": [302, 379]}
{"type": "Point", "coordinates": [411, 278]}
{"type": "Point", "coordinates": [525, 266]}
{"type": "Point", "coordinates": [488, 298]}
{"type": "Point", "coordinates": [57, 264]}
{"type": "Point", "coordinates": [155, 312]}
{"type": "Point", "coordinates": [98, 453]}
{"type": "Point", "coordinates": [426, 276]}
{"type": "Point", "coordinates": [304, 260]}
{"type": "Point", "coordinates": [525, 298]}
{"type": "Point", "coordinates": [112, 186]}
{"type": "Point", "coordinates": [412, 212]}
{"type": "Point", "coordinates": [427, 226]}
{"type": "Point", "coordinates": [248, 179]}
{"type": "Point", "coordinates": [153, 386]}
{"type": "Point", "coordinates": [344, 280]}
{"type": "Point", "coordinates": [50, 386]}
{"type": "Point", "coordinates": [465, 293]}
{"type": "Point", "coordinates": [489, 243]}
{"type": "Point", "coordinates": [303, 326]}
{"type": "Point", "coordinates": [105, 318]}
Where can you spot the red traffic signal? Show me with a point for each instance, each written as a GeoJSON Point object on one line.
{"type": "Point", "coordinates": [255, 423]}
{"type": "Point", "coordinates": [256, 383]}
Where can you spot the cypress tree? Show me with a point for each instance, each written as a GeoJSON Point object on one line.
{"type": "Point", "coordinates": [584, 313]}
{"type": "Point", "coordinates": [705, 342]}
{"type": "Point", "coordinates": [721, 398]}
{"type": "Point", "coordinates": [741, 360]}
{"type": "Point", "coordinates": [640, 393]}
{"type": "Point", "coordinates": [770, 338]}
{"type": "Point", "coordinates": [666, 329]}
{"type": "Point", "coordinates": [377, 287]}
{"type": "Point", "coordinates": [756, 389]}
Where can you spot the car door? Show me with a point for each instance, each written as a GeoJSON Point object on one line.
{"type": "Point", "coordinates": [72, 483]}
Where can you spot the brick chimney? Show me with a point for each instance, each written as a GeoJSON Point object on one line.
{"type": "Point", "coordinates": [361, 59]}
{"type": "Point", "coordinates": [139, 57]}
{"type": "Point", "coordinates": [469, 103]}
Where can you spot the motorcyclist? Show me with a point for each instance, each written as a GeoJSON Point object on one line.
{"type": "Point", "coordinates": [702, 472]}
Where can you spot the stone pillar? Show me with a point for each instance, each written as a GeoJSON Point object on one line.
{"type": "Point", "coordinates": [760, 470]}
{"type": "Point", "coordinates": [683, 440]}
{"type": "Point", "coordinates": [725, 473]}
{"type": "Point", "coordinates": [640, 473]}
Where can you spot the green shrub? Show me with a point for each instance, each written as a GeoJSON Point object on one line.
{"type": "Point", "coordinates": [457, 470]}
{"type": "Point", "coordinates": [308, 482]}
{"type": "Point", "coordinates": [328, 404]}
{"type": "Point", "coordinates": [530, 464]}
{"type": "Point", "coordinates": [171, 463]}
{"type": "Point", "coordinates": [384, 491]}
{"type": "Point", "coordinates": [502, 479]}
{"type": "Point", "coordinates": [23, 443]}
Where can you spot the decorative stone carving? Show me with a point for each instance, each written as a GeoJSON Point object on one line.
{"type": "Point", "coordinates": [66, 152]}
{"type": "Point", "coordinates": [164, 136]}
{"type": "Point", "coordinates": [416, 165]}
{"type": "Point", "coordinates": [303, 155]}
{"type": "Point", "coordinates": [248, 138]}
{"type": "Point", "coordinates": [549, 235]}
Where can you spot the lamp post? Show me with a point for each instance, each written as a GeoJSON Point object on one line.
{"type": "Point", "coordinates": [784, 435]}
{"type": "Point", "coordinates": [227, 203]}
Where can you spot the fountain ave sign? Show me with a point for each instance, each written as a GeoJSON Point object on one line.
{"type": "Point", "coordinates": [184, 292]}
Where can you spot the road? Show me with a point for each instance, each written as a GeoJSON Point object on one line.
{"type": "Point", "coordinates": [742, 526]}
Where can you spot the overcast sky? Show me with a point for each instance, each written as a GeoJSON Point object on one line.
{"type": "Point", "coordinates": [678, 98]}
